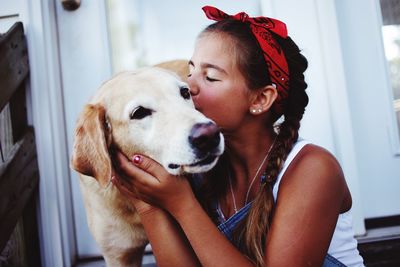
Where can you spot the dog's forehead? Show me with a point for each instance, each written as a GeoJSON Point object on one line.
{"type": "Point", "coordinates": [150, 82]}
{"type": "Point", "coordinates": [151, 88]}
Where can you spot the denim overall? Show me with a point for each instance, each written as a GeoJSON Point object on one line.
{"type": "Point", "coordinates": [227, 226]}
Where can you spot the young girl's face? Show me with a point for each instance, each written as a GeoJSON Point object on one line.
{"type": "Point", "coordinates": [219, 89]}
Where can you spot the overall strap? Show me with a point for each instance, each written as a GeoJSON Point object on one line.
{"type": "Point", "coordinates": [229, 225]}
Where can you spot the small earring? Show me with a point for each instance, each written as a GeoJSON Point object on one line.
{"type": "Point", "coordinates": [253, 111]}
{"type": "Point", "coordinates": [259, 110]}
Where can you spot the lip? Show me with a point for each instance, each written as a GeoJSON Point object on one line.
{"type": "Point", "coordinates": [196, 103]}
{"type": "Point", "coordinates": [205, 161]}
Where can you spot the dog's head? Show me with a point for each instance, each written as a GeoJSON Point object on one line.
{"type": "Point", "coordinates": [150, 112]}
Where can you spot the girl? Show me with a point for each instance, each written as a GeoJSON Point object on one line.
{"type": "Point", "coordinates": [273, 199]}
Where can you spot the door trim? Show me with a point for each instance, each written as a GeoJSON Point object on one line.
{"type": "Point", "coordinates": [56, 232]}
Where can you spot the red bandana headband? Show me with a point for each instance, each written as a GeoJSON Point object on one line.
{"type": "Point", "coordinates": [274, 57]}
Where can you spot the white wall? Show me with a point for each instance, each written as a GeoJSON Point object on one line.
{"type": "Point", "coordinates": [368, 88]}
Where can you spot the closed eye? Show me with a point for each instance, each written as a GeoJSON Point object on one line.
{"type": "Point", "coordinates": [140, 113]}
{"type": "Point", "coordinates": [185, 92]}
{"type": "Point", "coordinates": [211, 79]}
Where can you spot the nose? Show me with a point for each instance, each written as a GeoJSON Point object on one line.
{"type": "Point", "coordinates": [204, 137]}
{"type": "Point", "coordinates": [194, 89]}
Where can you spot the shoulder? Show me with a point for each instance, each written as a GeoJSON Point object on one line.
{"type": "Point", "coordinates": [316, 171]}
{"type": "Point", "coordinates": [316, 158]}
{"type": "Point", "coordinates": [310, 198]}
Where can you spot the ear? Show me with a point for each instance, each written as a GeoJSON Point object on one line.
{"type": "Point", "coordinates": [90, 154]}
{"type": "Point", "coordinates": [263, 99]}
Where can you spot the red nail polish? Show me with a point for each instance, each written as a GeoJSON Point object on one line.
{"type": "Point", "coordinates": [136, 159]}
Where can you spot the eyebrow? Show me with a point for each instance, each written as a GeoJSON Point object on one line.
{"type": "Point", "coordinates": [209, 66]}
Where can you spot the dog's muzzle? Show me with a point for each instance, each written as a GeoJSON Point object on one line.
{"type": "Point", "coordinates": [206, 142]}
{"type": "Point", "coordinates": [204, 138]}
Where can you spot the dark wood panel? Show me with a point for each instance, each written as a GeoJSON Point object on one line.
{"type": "Point", "coordinates": [19, 120]}
{"type": "Point", "coordinates": [14, 66]}
{"type": "Point", "coordinates": [384, 253]}
{"type": "Point", "coordinates": [17, 186]}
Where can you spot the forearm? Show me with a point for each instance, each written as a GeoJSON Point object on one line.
{"type": "Point", "coordinates": [169, 244]}
{"type": "Point", "coordinates": [210, 245]}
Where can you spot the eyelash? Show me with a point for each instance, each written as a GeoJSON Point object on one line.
{"type": "Point", "coordinates": [211, 79]}
{"type": "Point", "coordinates": [207, 78]}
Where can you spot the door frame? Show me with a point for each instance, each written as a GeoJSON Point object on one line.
{"type": "Point", "coordinates": [45, 103]}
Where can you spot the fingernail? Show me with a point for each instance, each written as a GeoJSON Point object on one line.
{"type": "Point", "coordinates": [136, 159]}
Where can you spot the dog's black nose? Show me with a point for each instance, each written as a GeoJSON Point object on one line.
{"type": "Point", "coordinates": [204, 137]}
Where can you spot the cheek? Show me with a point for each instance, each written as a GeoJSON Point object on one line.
{"type": "Point", "coordinates": [225, 111]}
{"type": "Point", "coordinates": [209, 103]}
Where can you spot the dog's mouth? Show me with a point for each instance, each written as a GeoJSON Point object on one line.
{"type": "Point", "coordinates": [207, 160]}
{"type": "Point", "coordinates": [201, 165]}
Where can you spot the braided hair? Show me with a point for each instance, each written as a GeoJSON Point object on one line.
{"type": "Point", "coordinates": [251, 235]}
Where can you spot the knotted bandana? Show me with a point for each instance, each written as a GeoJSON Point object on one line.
{"type": "Point", "coordinates": [261, 28]}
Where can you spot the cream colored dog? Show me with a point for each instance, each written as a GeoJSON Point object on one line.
{"type": "Point", "coordinates": [149, 111]}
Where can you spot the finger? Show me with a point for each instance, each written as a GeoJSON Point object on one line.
{"type": "Point", "coordinates": [122, 188]}
{"type": "Point", "coordinates": [136, 174]}
{"type": "Point", "coordinates": [150, 166]}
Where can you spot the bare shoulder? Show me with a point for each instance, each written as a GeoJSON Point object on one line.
{"type": "Point", "coordinates": [316, 162]}
{"type": "Point", "coordinates": [311, 195]}
{"type": "Point", "coordinates": [316, 171]}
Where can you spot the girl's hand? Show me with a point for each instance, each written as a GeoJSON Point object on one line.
{"type": "Point", "coordinates": [150, 182]}
{"type": "Point", "coordinates": [141, 207]}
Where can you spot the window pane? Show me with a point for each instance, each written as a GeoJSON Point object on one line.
{"type": "Point", "coordinates": [391, 38]}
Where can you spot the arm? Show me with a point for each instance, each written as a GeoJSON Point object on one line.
{"type": "Point", "coordinates": [312, 194]}
{"type": "Point", "coordinates": [173, 194]}
{"type": "Point", "coordinates": [310, 198]}
{"type": "Point", "coordinates": [169, 244]}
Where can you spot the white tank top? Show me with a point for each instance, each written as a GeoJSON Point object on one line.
{"type": "Point", "coordinates": [343, 245]}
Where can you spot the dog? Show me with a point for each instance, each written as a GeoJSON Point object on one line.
{"type": "Point", "coordinates": [148, 111]}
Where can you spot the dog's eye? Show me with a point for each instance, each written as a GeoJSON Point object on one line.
{"type": "Point", "coordinates": [140, 113]}
{"type": "Point", "coordinates": [185, 92]}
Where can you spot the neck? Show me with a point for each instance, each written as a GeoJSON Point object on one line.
{"type": "Point", "coordinates": [246, 147]}
{"type": "Point", "coordinates": [246, 151]}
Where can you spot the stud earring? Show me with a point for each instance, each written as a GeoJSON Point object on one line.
{"type": "Point", "coordinates": [259, 110]}
{"type": "Point", "coordinates": [253, 111]}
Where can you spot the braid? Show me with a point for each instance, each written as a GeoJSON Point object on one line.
{"type": "Point", "coordinates": [254, 231]}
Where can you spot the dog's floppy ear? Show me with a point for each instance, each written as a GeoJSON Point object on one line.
{"type": "Point", "coordinates": [90, 155]}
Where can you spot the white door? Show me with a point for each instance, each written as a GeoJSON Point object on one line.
{"type": "Point", "coordinates": [102, 37]}
{"type": "Point", "coordinates": [85, 64]}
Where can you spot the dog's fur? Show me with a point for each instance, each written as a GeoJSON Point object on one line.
{"type": "Point", "coordinates": [161, 132]}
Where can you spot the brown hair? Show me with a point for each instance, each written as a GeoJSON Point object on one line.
{"type": "Point", "coordinates": [252, 233]}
